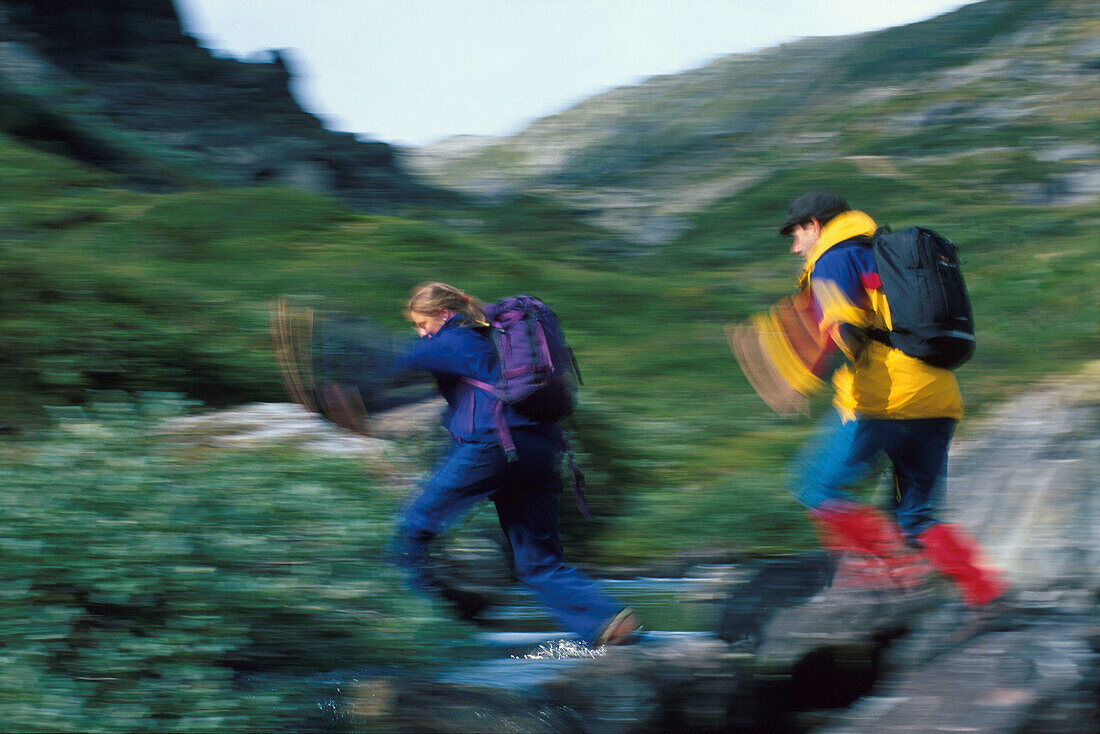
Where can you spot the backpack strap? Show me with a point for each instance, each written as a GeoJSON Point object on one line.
{"type": "Point", "coordinates": [506, 441]}
{"type": "Point", "coordinates": [880, 335]}
{"type": "Point", "coordinates": [578, 477]}
{"type": "Point", "coordinates": [509, 444]}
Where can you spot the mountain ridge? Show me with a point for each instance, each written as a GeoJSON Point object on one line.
{"type": "Point", "coordinates": [645, 158]}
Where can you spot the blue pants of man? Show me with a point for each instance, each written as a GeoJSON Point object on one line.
{"type": "Point", "coordinates": [845, 454]}
{"type": "Point", "coordinates": [526, 493]}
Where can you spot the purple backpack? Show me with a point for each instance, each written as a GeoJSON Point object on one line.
{"type": "Point", "coordinates": [538, 371]}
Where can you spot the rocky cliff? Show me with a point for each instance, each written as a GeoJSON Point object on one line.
{"type": "Point", "coordinates": [118, 85]}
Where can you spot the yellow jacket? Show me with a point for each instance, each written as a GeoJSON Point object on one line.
{"type": "Point", "coordinates": [878, 381]}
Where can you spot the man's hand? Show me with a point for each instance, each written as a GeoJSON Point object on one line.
{"type": "Point", "coordinates": [761, 372]}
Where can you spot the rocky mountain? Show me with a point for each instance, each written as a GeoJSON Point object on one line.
{"type": "Point", "coordinates": [996, 84]}
{"type": "Point", "coordinates": [118, 85]}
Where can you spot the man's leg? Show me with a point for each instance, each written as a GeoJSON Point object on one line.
{"type": "Point", "coordinates": [867, 545]}
{"type": "Point", "coordinates": [918, 450]}
{"type": "Point", "coordinates": [829, 464]}
{"type": "Point", "coordinates": [959, 557]}
{"type": "Point", "coordinates": [920, 472]}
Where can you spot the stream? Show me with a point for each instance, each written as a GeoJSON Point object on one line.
{"type": "Point", "coordinates": [527, 649]}
{"type": "Point", "coordinates": [523, 648]}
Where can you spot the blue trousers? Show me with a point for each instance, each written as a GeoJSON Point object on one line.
{"type": "Point", "coordinates": [845, 453]}
{"type": "Point", "coordinates": [526, 493]}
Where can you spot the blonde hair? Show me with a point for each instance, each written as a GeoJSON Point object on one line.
{"type": "Point", "coordinates": [431, 298]}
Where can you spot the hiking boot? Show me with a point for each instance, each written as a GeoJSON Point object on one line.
{"type": "Point", "coordinates": [1000, 615]}
{"type": "Point", "coordinates": [959, 557]}
{"type": "Point", "coordinates": [900, 572]}
{"type": "Point", "coordinates": [869, 549]}
{"type": "Point", "coordinates": [470, 605]}
{"type": "Point", "coordinates": [952, 626]}
{"type": "Point", "coordinates": [622, 629]}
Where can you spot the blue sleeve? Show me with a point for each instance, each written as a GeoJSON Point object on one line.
{"type": "Point", "coordinates": [456, 351]}
{"type": "Point", "coordinates": [840, 283]}
{"type": "Point", "coordinates": [848, 269]}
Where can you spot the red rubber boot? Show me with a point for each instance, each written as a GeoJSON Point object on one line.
{"type": "Point", "coordinates": [958, 556]}
{"type": "Point", "coordinates": [870, 549]}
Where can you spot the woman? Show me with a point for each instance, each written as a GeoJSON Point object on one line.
{"type": "Point", "coordinates": [455, 344]}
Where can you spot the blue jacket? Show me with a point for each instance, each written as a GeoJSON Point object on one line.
{"type": "Point", "coordinates": [458, 351]}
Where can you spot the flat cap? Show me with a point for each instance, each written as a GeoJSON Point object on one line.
{"type": "Point", "coordinates": [819, 205]}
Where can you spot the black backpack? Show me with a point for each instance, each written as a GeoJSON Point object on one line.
{"type": "Point", "coordinates": [930, 311]}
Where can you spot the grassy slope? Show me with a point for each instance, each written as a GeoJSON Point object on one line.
{"type": "Point", "coordinates": [958, 137]}
{"type": "Point", "coordinates": [130, 549]}
{"type": "Point", "coordinates": [167, 292]}
{"type": "Point", "coordinates": [105, 287]}
{"type": "Point", "coordinates": [145, 574]}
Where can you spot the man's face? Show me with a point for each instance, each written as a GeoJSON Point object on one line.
{"type": "Point", "coordinates": [804, 237]}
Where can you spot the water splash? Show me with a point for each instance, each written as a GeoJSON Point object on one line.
{"type": "Point", "coordinates": [562, 650]}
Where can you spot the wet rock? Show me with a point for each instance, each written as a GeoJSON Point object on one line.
{"type": "Point", "coordinates": [798, 655]}
{"type": "Point", "coordinates": [414, 420]}
{"type": "Point", "coordinates": [826, 653]}
{"type": "Point", "coordinates": [1023, 481]}
{"type": "Point", "coordinates": [792, 653]}
{"type": "Point", "coordinates": [775, 584]}
{"type": "Point", "coordinates": [398, 706]}
{"type": "Point", "coordinates": [1043, 677]}
{"type": "Point", "coordinates": [686, 684]}
{"type": "Point", "coordinates": [267, 425]}
{"type": "Point", "coordinates": [701, 562]}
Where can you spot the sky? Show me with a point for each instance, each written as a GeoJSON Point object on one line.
{"type": "Point", "coordinates": [413, 72]}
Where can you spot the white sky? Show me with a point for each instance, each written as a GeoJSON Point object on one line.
{"type": "Point", "coordinates": [413, 72]}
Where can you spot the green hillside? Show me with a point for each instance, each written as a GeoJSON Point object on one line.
{"type": "Point", "coordinates": [131, 268]}
{"type": "Point", "coordinates": [981, 123]}
{"type": "Point", "coordinates": [108, 288]}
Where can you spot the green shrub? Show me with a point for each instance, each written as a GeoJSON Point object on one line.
{"type": "Point", "coordinates": [143, 577]}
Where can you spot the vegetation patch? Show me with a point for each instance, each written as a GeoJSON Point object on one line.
{"type": "Point", "coordinates": [146, 579]}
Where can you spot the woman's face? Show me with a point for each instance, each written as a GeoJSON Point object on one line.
{"type": "Point", "coordinates": [429, 324]}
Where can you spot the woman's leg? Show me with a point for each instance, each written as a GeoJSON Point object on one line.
{"type": "Point", "coordinates": [468, 474]}
{"type": "Point", "coordinates": [528, 511]}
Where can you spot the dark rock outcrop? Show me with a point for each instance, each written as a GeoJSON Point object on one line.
{"type": "Point", "coordinates": [145, 100]}
{"type": "Point", "coordinates": [98, 29]}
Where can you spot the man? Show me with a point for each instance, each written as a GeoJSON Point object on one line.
{"type": "Point", "coordinates": [886, 403]}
